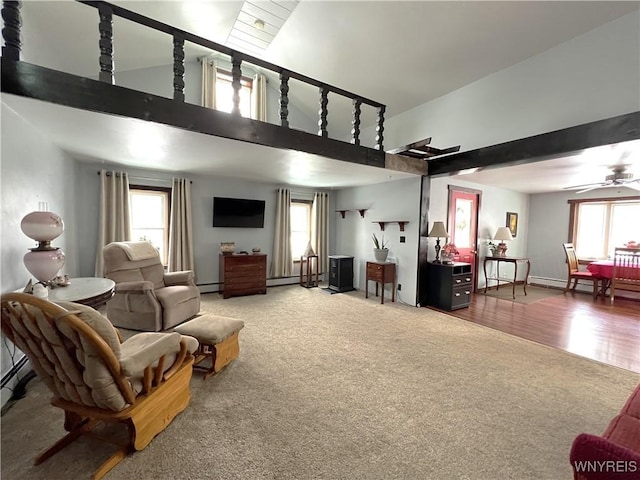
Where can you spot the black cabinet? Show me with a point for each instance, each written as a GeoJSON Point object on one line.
{"type": "Point", "coordinates": [449, 286]}
{"type": "Point", "coordinates": [340, 273]}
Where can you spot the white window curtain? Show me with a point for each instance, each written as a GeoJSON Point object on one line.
{"type": "Point", "coordinates": [181, 227]}
{"type": "Point", "coordinates": [259, 98]}
{"type": "Point", "coordinates": [320, 229]}
{"type": "Point", "coordinates": [282, 264]}
{"type": "Point", "coordinates": [115, 213]}
{"type": "Point", "coordinates": [208, 83]}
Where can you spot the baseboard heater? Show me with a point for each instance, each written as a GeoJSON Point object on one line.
{"type": "Point", "coordinates": [13, 371]}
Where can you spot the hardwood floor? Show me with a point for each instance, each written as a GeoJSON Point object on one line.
{"type": "Point", "coordinates": [573, 322]}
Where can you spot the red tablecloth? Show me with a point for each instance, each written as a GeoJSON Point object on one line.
{"type": "Point", "coordinates": [601, 268]}
{"type": "Point", "coordinates": [604, 269]}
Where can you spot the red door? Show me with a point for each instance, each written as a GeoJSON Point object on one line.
{"type": "Point", "coordinates": [463, 226]}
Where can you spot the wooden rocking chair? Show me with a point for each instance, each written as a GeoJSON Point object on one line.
{"type": "Point", "coordinates": [94, 377]}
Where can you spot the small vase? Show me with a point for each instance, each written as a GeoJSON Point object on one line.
{"type": "Point", "coordinates": [380, 254]}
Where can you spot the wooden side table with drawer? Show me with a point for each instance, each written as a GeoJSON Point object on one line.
{"type": "Point", "coordinates": [381, 273]}
{"type": "Point", "coordinates": [449, 286]}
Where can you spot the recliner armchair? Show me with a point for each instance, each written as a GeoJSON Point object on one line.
{"type": "Point", "coordinates": [94, 377]}
{"type": "Point", "coordinates": [146, 297]}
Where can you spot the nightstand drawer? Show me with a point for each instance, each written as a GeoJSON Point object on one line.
{"type": "Point", "coordinates": [461, 279]}
{"type": "Point", "coordinates": [461, 297]}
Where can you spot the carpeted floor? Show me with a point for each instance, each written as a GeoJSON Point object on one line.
{"type": "Point", "coordinates": [534, 294]}
{"type": "Point", "coordinates": [340, 387]}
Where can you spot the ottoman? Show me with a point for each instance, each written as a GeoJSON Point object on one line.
{"type": "Point", "coordinates": [218, 337]}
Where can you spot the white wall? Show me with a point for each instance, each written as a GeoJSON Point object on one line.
{"type": "Point", "coordinates": [207, 239]}
{"type": "Point", "coordinates": [398, 200]}
{"type": "Point", "coordinates": [494, 205]}
{"type": "Point", "coordinates": [591, 77]}
{"type": "Point", "coordinates": [549, 229]}
{"type": "Point", "coordinates": [32, 170]}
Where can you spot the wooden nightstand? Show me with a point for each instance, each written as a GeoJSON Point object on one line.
{"type": "Point", "coordinates": [382, 273]}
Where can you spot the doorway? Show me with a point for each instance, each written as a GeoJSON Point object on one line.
{"type": "Point", "coordinates": [463, 209]}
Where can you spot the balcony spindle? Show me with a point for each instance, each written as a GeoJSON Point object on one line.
{"type": "Point", "coordinates": [178, 67]}
{"type": "Point", "coordinates": [236, 82]}
{"type": "Point", "coordinates": [324, 112]}
{"type": "Point", "coordinates": [380, 128]}
{"type": "Point", "coordinates": [284, 100]}
{"type": "Point", "coordinates": [106, 43]}
{"type": "Point", "coordinates": [11, 31]}
{"type": "Point", "coordinates": [355, 131]}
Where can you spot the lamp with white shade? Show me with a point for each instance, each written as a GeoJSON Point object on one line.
{"type": "Point", "coordinates": [438, 231]}
{"type": "Point", "coordinates": [44, 261]}
{"type": "Point", "coordinates": [503, 234]}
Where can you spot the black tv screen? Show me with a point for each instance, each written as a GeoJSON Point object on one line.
{"type": "Point", "coordinates": [238, 212]}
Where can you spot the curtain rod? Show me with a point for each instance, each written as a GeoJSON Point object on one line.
{"type": "Point", "coordinates": [108, 174]}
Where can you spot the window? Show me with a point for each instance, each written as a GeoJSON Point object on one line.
{"type": "Point", "coordinates": [600, 225]}
{"type": "Point", "coordinates": [150, 217]}
{"type": "Point", "coordinates": [300, 227]}
{"type": "Point", "coordinates": [224, 93]}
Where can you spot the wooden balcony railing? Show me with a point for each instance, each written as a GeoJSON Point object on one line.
{"type": "Point", "coordinates": [11, 50]}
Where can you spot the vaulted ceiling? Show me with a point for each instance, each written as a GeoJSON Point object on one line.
{"type": "Point", "coordinates": [400, 53]}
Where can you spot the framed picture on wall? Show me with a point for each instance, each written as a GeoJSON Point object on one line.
{"type": "Point", "coordinates": [512, 223]}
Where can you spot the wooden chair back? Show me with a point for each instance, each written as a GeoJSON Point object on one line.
{"type": "Point", "coordinates": [572, 258]}
{"type": "Point", "coordinates": [626, 269]}
{"type": "Point", "coordinates": [78, 359]}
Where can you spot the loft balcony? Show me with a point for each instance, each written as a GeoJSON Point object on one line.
{"type": "Point", "coordinates": [100, 92]}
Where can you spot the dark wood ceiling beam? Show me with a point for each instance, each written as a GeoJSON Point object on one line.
{"type": "Point", "coordinates": [545, 146]}
{"type": "Point", "coordinates": [32, 81]}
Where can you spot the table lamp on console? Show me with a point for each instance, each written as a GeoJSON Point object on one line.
{"type": "Point", "coordinates": [438, 231]}
{"type": "Point", "coordinates": [503, 234]}
{"type": "Point", "coordinates": [44, 261]}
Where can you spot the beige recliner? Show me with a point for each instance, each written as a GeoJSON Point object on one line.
{"type": "Point", "coordinates": [94, 377]}
{"type": "Point", "coordinates": [147, 298]}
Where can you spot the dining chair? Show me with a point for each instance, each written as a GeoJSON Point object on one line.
{"type": "Point", "coordinates": [626, 270]}
{"type": "Point", "coordinates": [575, 274]}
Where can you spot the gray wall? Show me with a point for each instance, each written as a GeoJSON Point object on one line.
{"type": "Point", "coordinates": [33, 170]}
{"type": "Point", "coordinates": [207, 239]}
{"type": "Point", "coordinates": [549, 229]}
{"type": "Point", "coordinates": [398, 200]}
{"type": "Point", "coordinates": [494, 205]}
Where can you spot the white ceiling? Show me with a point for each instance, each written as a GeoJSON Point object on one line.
{"type": "Point", "coordinates": [444, 45]}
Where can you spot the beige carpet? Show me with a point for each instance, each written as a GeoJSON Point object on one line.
{"type": "Point", "coordinates": [534, 294]}
{"type": "Point", "coordinates": [339, 387]}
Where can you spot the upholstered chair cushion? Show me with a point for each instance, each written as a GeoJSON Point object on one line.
{"type": "Point", "coordinates": [96, 375]}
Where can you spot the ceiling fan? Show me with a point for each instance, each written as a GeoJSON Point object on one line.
{"type": "Point", "coordinates": [619, 178]}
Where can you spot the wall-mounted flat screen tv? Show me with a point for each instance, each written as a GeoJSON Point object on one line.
{"type": "Point", "coordinates": [238, 212]}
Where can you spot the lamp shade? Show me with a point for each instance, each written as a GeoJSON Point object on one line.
{"type": "Point", "coordinates": [503, 233]}
{"type": "Point", "coordinates": [438, 230]}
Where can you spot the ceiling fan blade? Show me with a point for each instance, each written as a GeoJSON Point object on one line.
{"type": "Point", "coordinates": [586, 185]}
{"type": "Point", "coordinates": [593, 187]}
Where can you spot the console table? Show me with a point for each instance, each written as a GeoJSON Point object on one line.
{"type": "Point", "coordinates": [515, 261]}
{"type": "Point", "coordinates": [381, 273]}
{"type": "Point", "coordinates": [243, 274]}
